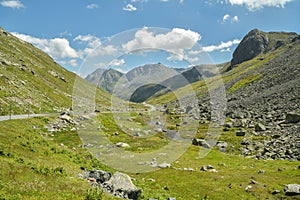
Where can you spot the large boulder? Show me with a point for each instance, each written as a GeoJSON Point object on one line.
{"type": "Point", "coordinates": [121, 185]}
{"type": "Point", "coordinates": [292, 189]}
{"type": "Point", "coordinates": [292, 117]}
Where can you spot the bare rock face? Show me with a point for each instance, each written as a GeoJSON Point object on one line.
{"type": "Point", "coordinates": [257, 42]}
{"type": "Point", "coordinates": [254, 43]}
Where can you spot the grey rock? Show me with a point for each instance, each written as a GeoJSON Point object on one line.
{"type": "Point", "coordinates": [100, 176]}
{"type": "Point", "coordinates": [200, 142]}
{"type": "Point", "coordinates": [240, 133]}
{"type": "Point", "coordinates": [276, 192]}
{"type": "Point", "coordinates": [292, 189]}
{"type": "Point", "coordinates": [121, 185]}
{"type": "Point", "coordinates": [164, 165]}
{"type": "Point", "coordinates": [292, 117]}
{"type": "Point", "coordinates": [222, 144]}
{"type": "Point", "coordinates": [260, 127]}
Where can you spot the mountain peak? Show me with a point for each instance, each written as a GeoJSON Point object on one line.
{"type": "Point", "coordinates": [257, 42]}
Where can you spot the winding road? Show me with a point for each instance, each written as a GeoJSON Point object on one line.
{"type": "Point", "coordinates": [7, 117]}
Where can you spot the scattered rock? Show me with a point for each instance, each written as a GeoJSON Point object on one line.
{"type": "Point", "coordinates": [276, 192]}
{"type": "Point", "coordinates": [208, 168]}
{"type": "Point", "coordinates": [122, 144]}
{"type": "Point", "coordinates": [240, 133]}
{"type": "Point", "coordinates": [200, 142]}
{"type": "Point", "coordinates": [164, 165]}
{"type": "Point", "coordinates": [248, 188]}
{"type": "Point", "coordinates": [260, 127]}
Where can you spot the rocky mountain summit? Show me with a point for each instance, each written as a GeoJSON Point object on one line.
{"type": "Point", "coordinates": [258, 42]}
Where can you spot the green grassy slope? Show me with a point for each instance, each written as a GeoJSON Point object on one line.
{"type": "Point", "coordinates": [30, 79]}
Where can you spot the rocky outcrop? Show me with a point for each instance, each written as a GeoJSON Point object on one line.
{"type": "Point", "coordinates": [117, 184]}
{"type": "Point", "coordinates": [257, 42]}
{"type": "Point", "coordinates": [254, 43]}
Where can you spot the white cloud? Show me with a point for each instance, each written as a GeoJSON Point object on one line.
{"type": "Point", "coordinates": [92, 6]}
{"type": "Point", "coordinates": [222, 46]}
{"type": "Point", "coordinates": [12, 4]}
{"type": "Point", "coordinates": [94, 46]}
{"type": "Point", "coordinates": [92, 41]}
{"type": "Point", "coordinates": [175, 41]}
{"type": "Point", "coordinates": [129, 7]}
{"type": "Point", "coordinates": [226, 50]}
{"type": "Point", "coordinates": [117, 63]}
{"type": "Point", "coordinates": [259, 4]}
{"type": "Point", "coordinates": [226, 17]}
{"type": "Point", "coordinates": [235, 19]}
{"type": "Point", "coordinates": [73, 62]}
{"type": "Point", "coordinates": [56, 48]}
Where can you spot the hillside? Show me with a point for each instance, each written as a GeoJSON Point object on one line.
{"type": "Point", "coordinates": [32, 80]}
{"type": "Point", "coordinates": [262, 97]}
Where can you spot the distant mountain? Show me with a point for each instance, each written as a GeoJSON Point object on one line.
{"type": "Point", "coordinates": [124, 85]}
{"type": "Point", "coordinates": [95, 76]}
{"type": "Point", "coordinates": [182, 79]}
{"type": "Point", "coordinates": [106, 79]}
{"type": "Point", "coordinates": [141, 76]}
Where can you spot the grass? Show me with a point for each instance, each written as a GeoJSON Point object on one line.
{"type": "Point", "coordinates": [244, 81]}
{"type": "Point", "coordinates": [36, 166]}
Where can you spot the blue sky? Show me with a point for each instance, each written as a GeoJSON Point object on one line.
{"type": "Point", "coordinates": [69, 30]}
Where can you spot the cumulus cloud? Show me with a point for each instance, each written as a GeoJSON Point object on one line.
{"type": "Point", "coordinates": [92, 6]}
{"type": "Point", "coordinates": [222, 46]}
{"type": "Point", "coordinates": [235, 19]}
{"type": "Point", "coordinates": [16, 4]}
{"type": "Point", "coordinates": [129, 7]}
{"type": "Point", "coordinates": [226, 17]}
{"type": "Point", "coordinates": [56, 48]}
{"type": "Point", "coordinates": [94, 46]}
{"type": "Point", "coordinates": [117, 63]}
{"type": "Point", "coordinates": [175, 41]}
{"type": "Point", "coordinates": [259, 4]}
{"type": "Point", "coordinates": [91, 40]}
